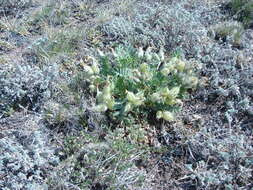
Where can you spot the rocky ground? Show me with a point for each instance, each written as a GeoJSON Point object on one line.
{"type": "Point", "coordinates": [51, 139]}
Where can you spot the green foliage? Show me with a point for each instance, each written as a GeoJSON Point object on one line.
{"type": "Point", "coordinates": [139, 83]}
{"type": "Point", "coordinates": [243, 9]}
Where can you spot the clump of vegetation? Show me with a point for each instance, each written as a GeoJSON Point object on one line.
{"type": "Point", "coordinates": [243, 10]}
{"type": "Point", "coordinates": [229, 31]}
{"type": "Point", "coordinates": [156, 23]}
{"type": "Point", "coordinates": [61, 42]}
{"type": "Point", "coordinates": [92, 163]}
{"type": "Point", "coordinates": [24, 86]}
{"type": "Point", "coordinates": [226, 160]}
{"type": "Point", "coordinates": [52, 14]}
{"type": "Point", "coordinates": [9, 7]}
{"type": "Point", "coordinates": [139, 83]}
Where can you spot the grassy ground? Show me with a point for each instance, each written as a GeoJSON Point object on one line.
{"type": "Point", "coordinates": [179, 116]}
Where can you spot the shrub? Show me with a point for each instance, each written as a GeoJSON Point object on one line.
{"type": "Point", "coordinates": [52, 14]}
{"type": "Point", "coordinates": [9, 7]}
{"type": "Point", "coordinates": [229, 31]}
{"type": "Point", "coordinates": [156, 23]}
{"type": "Point", "coordinates": [95, 164]}
{"type": "Point", "coordinates": [227, 159]}
{"type": "Point", "coordinates": [243, 10]}
{"type": "Point", "coordinates": [24, 86]}
{"type": "Point", "coordinates": [139, 83]}
{"type": "Point", "coordinates": [57, 42]}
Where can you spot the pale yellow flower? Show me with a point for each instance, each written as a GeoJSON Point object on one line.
{"type": "Point", "coordinates": [180, 65]}
{"type": "Point", "coordinates": [144, 67]}
{"type": "Point", "coordinates": [180, 102]}
{"type": "Point", "coordinates": [161, 54]}
{"type": "Point", "coordinates": [194, 81]}
{"type": "Point", "coordinates": [156, 97]}
{"type": "Point", "coordinates": [88, 69]}
{"type": "Point", "coordinates": [108, 88]}
{"type": "Point", "coordinates": [168, 116]}
{"type": "Point", "coordinates": [191, 81]}
{"type": "Point", "coordinates": [174, 92]}
{"type": "Point", "coordinates": [95, 68]}
{"type": "Point", "coordinates": [100, 108]}
{"type": "Point", "coordinates": [140, 52]}
{"type": "Point", "coordinates": [159, 114]}
{"type": "Point", "coordinates": [165, 92]}
{"type": "Point", "coordinates": [165, 71]}
{"type": "Point", "coordinates": [92, 88]}
{"type": "Point", "coordinates": [135, 99]}
{"type": "Point", "coordinates": [110, 103]}
{"type": "Point", "coordinates": [106, 97]}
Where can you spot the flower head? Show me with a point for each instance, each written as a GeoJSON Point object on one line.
{"type": "Point", "coordinates": [95, 68]}
{"type": "Point", "coordinates": [92, 88]}
{"type": "Point", "coordinates": [144, 67]}
{"type": "Point", "coordinates": [166, 115]}
{"type": "Point", "coordinates": [140, 52]}
{"type": "Point", "coordinates": [165, 92]}
{"type": "Point", "coordinates": [174, 92]}
{"type": "Point", "coordinates": [110, 103]}
{"type": "Point", "coordinates": [180, 65]}
{"type": "Point", "coordinates": [161, 54]}
{"type": "Point", "coordinates": [100, 108]}
{"type": "Point", "coordinates": [159, 114]}
{"type": "Point", "coordinates": [88, 69]}
{"type": "Point", "coordinates": [135, 99]}
{"type": "Point", "coordinates": [165, 71]}
{"type": "Point", "coordinates": [156, 97]}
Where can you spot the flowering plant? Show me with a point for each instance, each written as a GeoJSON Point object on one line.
{"type": "Point", "coordinates": [133, 82]}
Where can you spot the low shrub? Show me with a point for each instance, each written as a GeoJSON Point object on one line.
{"type": "Point", "coordinates": [227, 160]}
{"type": "Point", "coordinates": [24, 86]}
{"type": "Point", "coordinates": [243, 11]}
{"type": "Point", "coordinates": [52, 14]}
{"type": "Point", "coordinates": [57, 42]}
{"type": "Point", "coordinates": [10, 7]}
{"type": "Point", "coordinates": [229, 31]}
{"type": "Point", "coordinates": [172, 25]}
{"type": "Point", "coordinates": [92, 163]}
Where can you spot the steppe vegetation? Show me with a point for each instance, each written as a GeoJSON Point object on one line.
{"type": "Point", "coordinates": [126, 94]}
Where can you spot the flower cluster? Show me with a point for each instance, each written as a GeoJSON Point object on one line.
{"type": "Point", "coordinates": [92, 69]}
{"type": "Point", "coordinates": [174, 65]}
{"type": "Point", "coordinates": [134, 100]}
{"type": "Point", "coordinates": [166, 115]}
{"type": "Point", "coordinates": [105, 98]}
